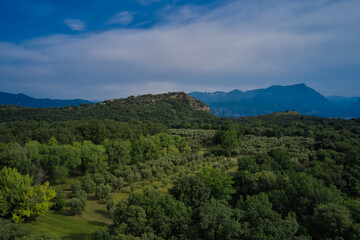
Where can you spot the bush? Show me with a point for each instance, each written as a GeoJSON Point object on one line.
{"type": "Point", "coordinates": [59, 199]}
{"type": "Point", "coordinates": [10, 231]}
{"type": "Point", "coordinates": [117, 183]}
{"type": "Point", "coordinates": [75, 187]}
{"type": "Point", "coordinates": [102, 191]}
{"type": "Point", "coordinates": [82, 195]}
{"type": "Point", "coordinates": [88, 184]}
{"type": "Point", "coordinates": [77, 206]}
{"type": "Point", "coordinates": [99, 179]}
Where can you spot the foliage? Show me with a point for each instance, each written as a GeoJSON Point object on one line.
{"type": "Point", "coordinates": [191, 190]}
{"type": "Point", "coordinates": [10, 231]}
{"type": "Point", "coordinates": [35, 202]}
{"type": "Point", "coordinates": [59, 200]}
{"type": "Point", "coordinates": [77, 206]}
{"type": "Point", "coordinates": [216, 220]}
{"type": "Point", "coordinates": [88, 184]}
{"type": "Point", "coordinates": [102, 191]}
{"type": "Point", "coordinates": [163, 216]}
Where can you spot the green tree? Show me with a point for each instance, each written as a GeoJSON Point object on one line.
{"type": "Point", "coordinates": [77, 206]}
{"type": "Point", "coordinates": [102, 191]}
{"type": "Point", "coordinates": [215, 220]}
{"type": "Point", "coordinates": [21, 200]}
{"type": "Point", "coordinates": [88, 184]}
{"type": "Point", "coordinates": [129, 219]}
{"type": "Point", "coordinates": [13, 186]}
{"type": "Point", "coordinates": [191, 190]}
{"type": "Point", "coordinates": [59, 200]}
{"type": "Point", "coordinates": [93, 157]}
{"type": "Point", "coordinates": [36, 201]}
{"type": "Point", "coordinates": [118, 152]}
{"type": "Point", "coordinates": [330, 221]}
{"type": "Point", "coordinates": [75, 187]}
{"type": "Point", "coordinates": [260, 222]}
{"type": "Point", "coordinates": [228, 140]}
{"type": "Point", "coordinates": [219, 182]}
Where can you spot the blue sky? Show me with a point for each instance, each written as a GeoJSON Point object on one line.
{"type": "Point", "coordinates": [115, 48]}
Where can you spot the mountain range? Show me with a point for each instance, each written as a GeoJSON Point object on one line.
{"type": "Point", "coordinates": [234, 104]}
{"type": "Point", "coordinates": [298, 97]}
{"type": "Point", "coordinates": [26, 101]}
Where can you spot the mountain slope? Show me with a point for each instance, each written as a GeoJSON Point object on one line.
{"type": "Point", "coordinates": [26, 101]}
{"type": "Point", "coordinates": [276, 98]}
{"type": "Point", "coordinates": [175, 109]}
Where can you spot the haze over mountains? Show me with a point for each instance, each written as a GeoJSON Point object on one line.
{"type": "Point", "coordinates": [298, 97]}
{"type": "Point", "coordinates": [236, 103]}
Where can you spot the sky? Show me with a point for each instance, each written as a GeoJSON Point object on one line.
{"type": "Point", "coordinates": [108, 49]}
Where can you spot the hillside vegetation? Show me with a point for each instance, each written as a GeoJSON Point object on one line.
{"type": "Point", "coordinates": [172, 109]}
{"type": "Point", "coordinates": [277, 176]}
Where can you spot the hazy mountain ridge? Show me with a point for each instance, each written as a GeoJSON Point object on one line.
{"type": "Point", "coordinates": [298, 97]}
{"type": "Point", "coordinates": [27, 101]}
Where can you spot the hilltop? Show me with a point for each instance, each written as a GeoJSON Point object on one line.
{"type": "Point", "coordinates": [173, 109]}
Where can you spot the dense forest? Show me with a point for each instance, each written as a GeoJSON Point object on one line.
{"type": "Point", "coordinates": [166, 170]}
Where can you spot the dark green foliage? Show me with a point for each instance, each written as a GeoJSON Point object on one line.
{"type": "Point", "coordinates": [260, 221]}
{"type": "Point", "coordinates": [282, 159]}
{"type": "Point", "coordinates": [10, 231]}
{"type": "Point", "coordinates": [82, 195]}
{"type": "Point", "coordinates": [77, 206]}
{"type": "Point", "coordinates": [215, 220]}
{"type": "Point", "coordinates": [150, 212]}
{"type": "Point", "coordinates": [59, 200]}
{"type": "Point", "coordinates": [219, 182]}
{"type": "Point", "coordinates": [117, 183]}
{"type": "Point", "coordinates": [227, 141]}
{"type": "Point", "coordinates": [118, 152]}
{"type": "Point", "coordinates": [99, 178]}
{"type": "Point", "coordinates": [102, 191]}
{"type": "Point", "coordinates": [75, 188]}
{"type": "Point", "coordinates": [191, 190]}
{"type": "Point", "coordinates": [330, 221]}
{"type": "Point", "coordinates": [88, 184]}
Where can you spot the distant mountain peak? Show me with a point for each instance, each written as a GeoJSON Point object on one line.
{"type": "Point", "coordinates": [276, 98]}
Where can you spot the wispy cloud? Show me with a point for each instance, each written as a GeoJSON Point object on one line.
{"type": "Point", "coordinates": [75, 24]}
{"type": "Point", "coordinates": [123, 18]}
{"type": "Point", "coordinates": [147, 2]}
{"type": "Point", "coordinates": [240, 45]}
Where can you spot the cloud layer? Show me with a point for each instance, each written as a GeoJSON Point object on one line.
{"type": "Point", "coordinates": [241, 45]}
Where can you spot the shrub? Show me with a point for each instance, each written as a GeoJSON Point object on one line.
{"type": "Point", "coordinates": [77, 206]}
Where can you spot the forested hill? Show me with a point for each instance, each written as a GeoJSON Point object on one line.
{"type": "Point", "coordinates": [26, 101]}
{"type": "Point", "coordinates": [176, 109]}
{"type": "Point", "coordinates": [298, 97]}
